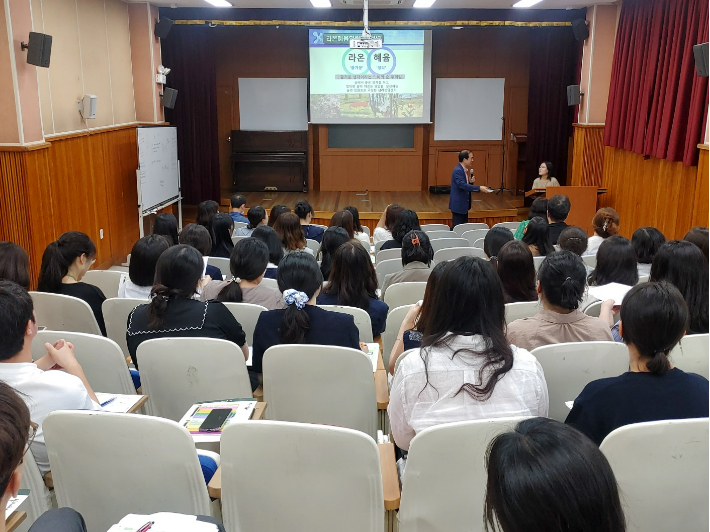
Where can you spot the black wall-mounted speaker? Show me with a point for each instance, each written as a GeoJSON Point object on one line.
{"type": "Point", "coordinates": [580, 29]}
{"type": "Point", "coordinates": [39, 49]}
{"type": "Point", "coordinates": [574, 96]}
{"type": "Point", "coordinates": [700, 52]}
{"type": "Point", "coordinates": [162, 27]}
{"type": "Point", "coordinates": [169, 97]}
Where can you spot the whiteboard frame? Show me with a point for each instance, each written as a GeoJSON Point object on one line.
{"type": "Point", "coordinates": [154, 210]}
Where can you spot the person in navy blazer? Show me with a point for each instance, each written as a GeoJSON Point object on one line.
{"type": "Point", "coordinates": [461, 188]}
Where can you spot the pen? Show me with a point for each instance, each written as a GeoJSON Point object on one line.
{"type": "Point", "coordinates": [146, 526]}
{"type": "Point", "coordinates": [108, 403]}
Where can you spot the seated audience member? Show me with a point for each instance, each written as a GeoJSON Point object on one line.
{"type": "Point", "coordinates": [545, 476]}
{"type": "Point", "coordinates": [18, 434]}
{"type": "Point", "coordinates": [561, 283]}
{"type": "Point", "coordinates": [199, 238]}
{"type": "Point", "coordinates": [358, 230]}
{"type": "Point", "coordinates": [465, 368]}
{"type": "Point", "coordinates": [205, 211]}
{"type": "Point", "coordinates": [494, 240]}
{"type": "Point", "coordinates": [516, 271]}
{"type": "Point", "coordinates": [654, 318]}
{"type": "Point", "coordinates": [606, 224]}
{"type": "Point", "coordinates": [699, 237]}
{"type": "Point", "coordinates": [64, 263]}
{"type": "Point", "coordinates": [412, 328]}
{"type": "Point", "coordinates": [43, 391]}
{"type": "Point", "coordinates": [538, 208]}
{"type": "Point", "coordinates": [276, 252]}
{"type": "Point", "coordinates": [344, 219]}
{"type": "Point", "coordinates": [679, 263]}
{"type": "Point", "coordinates": [557, 211]}
{"type": "Point", "coordinates": [573, 239]}
{"type": "Point", "coordinates": [646, 242]}
{"type": "Point", "coordinates": [333, 238]}
{"type": "Point", "coordinates": [247, 264]}
{"type": "Point", "coordinates": [276, 211]}
{"type": "Point", "coordinates": [290, 232]}
{"type": "Point", "coordinates": [256, 216]}
{"type": "Point", "coordinates": [141, 270]}
{"type": "Point", "coordinates": [353, 283]}
{"type": "Point", "coordinates": [305, 213]}
{"type": "Point", "coordinates": [221, 229]}
{"type": "Point", "coordinates": [417, 255]}
{"type": "Point", "coordinates": [616, 263]}
{"type": "Point", "coordinates": [302, 322]}
{"type": "Point", "coordinates": [237, 206]}
{"type": "Point", "coordinates": [385, 225]}
{"type": "Point", "coordinates": [537, 237]}
{"type": "Point", "coordinates": [14, 264]}
{"type": "Point", "coordinates": [166, 225]}
{"type": "Point", "coordinates": [172, 311]}
{"type": "Point", "coordinates": [546, 178]}
{"type": "Point", "coordinates": [406, 222]}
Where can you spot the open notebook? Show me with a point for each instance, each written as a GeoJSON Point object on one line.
{"type": "Point", "coordinates": [242, 410]}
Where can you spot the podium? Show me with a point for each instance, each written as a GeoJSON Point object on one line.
{"type": "Point", "coordinates": [583, 203]}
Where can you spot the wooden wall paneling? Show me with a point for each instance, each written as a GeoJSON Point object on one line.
{"type": "Point", "coordinates": [43, 208]}
{"type": "Point", "coordinates": [700, 204]}
{"type": "Point", "coordinates": [588, 155]}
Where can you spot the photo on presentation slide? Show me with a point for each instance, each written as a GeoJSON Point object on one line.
{"type": "Point", "coordinates": [384, 85]}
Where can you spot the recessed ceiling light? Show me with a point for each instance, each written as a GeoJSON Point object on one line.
{"type": "Point", "coordinates": [320, 3]}
{"type": "Point", "coordinates": [456, 27]}
{"type": "Point", "coordinates": [423, 3]}
{"type": "Point", "coordinates": [219, 3]}
{"type": "Point", "coordinates": [527, 3]}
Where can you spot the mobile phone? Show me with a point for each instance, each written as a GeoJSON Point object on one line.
{"type": "Point", "coordinates": [215, 419]}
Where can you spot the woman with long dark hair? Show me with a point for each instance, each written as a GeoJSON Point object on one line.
{"type": "Point", "coordinates": [537, 237]}
{"type": "Point", "coordinates": [344, 219]}
{"type": "Point", "coordinates": [333, 238]}
{"type": "Point", "coordinates": [359, 232]}
{"type": "Point", "coordinates": [276, 211]}
{"type": "Point", "coordinates": [466, 368]}
{"type": "Point", "coordinates": [353, 283]}
{"type": "Point", "coordinates": [166, 225]}
{"type": "Point", "coordinates": [276, 252]}
{"type": "Point", "coordinates": [699, 236]}
{"type": "Point", "coordinates": [546, 176]}
{"type": "Point", "coordinates": [516, 271]}
{"type": "Point", "coordinates": [616, 263]}
{"type": "Point", "coordinates": [205, 211]}
{"type": "Point", "coordinates": [494, 240]}
{"type": "Point", "coordinates": [199, 238]}
{"type": "Point", "coordinates": [14, 264]}
{"type": "Point", "coordinates": [406, 222]}
{"type": "Point", "coordinates": [646, 241]}
{"type": "Point", "coordinates": [385, 225]}
{"type": "Point", "coordinates": [290, 231]}
{"type": "Point", "coordinates": [221, 229]}
{"type": "Point", "coordinates": [141, 271]}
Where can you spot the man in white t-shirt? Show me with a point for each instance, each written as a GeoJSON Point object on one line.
{"type": "Point", "coordinates": [43, 390]}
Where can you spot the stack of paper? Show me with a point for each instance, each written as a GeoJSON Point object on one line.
{"type": "Point", "coordinates": [15, 502]}
{"type": "Point", "coordinates": [613, 291]}
{"type": "Point", "coordinates": [242, 410]}
{"type": "Point", "coordinates": [374, 354]}
{"type": "Point", "coordinates": [114, 402]}
{"type": "Point", "coordinates": [162, 522]}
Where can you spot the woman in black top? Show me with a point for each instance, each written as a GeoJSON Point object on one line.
{"type": "Point", "coordinates": [166, 225]}
{"type": "Point", "coordinates": [205, 211]}
{"type": "Point", "coordinates": [537, 237]}
{"type": "Point", "coordinates": [276, 252]}
{"type": "Point", "coordinates": [654, 317]}
{"type": "Point", "coordinates": [616, 263]}
{"type": "Point", "coordinates": [199, 238]}
{"type": "Point", "coordinates": [221, 229]}
{"type": "Point", "coordinates": [516, 269]}
{"type": "Point", "coordinates": [300, 281]}
{"type": "Point", "coordinates": [64, 263]}
{"type": "Point", "coordinates": [406, 222]}
{"type": "Point", "coordinates": [172, 311]}
{"type": "Point", "coordinates": [333, 238]}
{"type": "Point", "coordinates": [14, 264]}
{"type": "Point", "coordinates": [494, 240]}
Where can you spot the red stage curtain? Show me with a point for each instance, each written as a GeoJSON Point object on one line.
{"type": "Point", "coordinates": [657, 103]}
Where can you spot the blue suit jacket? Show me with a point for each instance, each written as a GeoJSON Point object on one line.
{"type": "Point", "coordinates": [460, 198]}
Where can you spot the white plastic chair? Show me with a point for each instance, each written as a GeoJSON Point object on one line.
{"type": "Point", "coordinates": [395, 317]}
{"type": "Point", "coordinates": [240, 225]}
{"type": "Point", "coordinates": [400, 294]}
{"type": "Point", "coordinates": [525, 309]}
{"type": "Point", "coordinates": [247, 315]}
{"type": "Point", "coordinates": [569, 367]}
{"type": "Point", "coordinates": [58, 312]}
{"type": "Point", "coordinates": [40, 498]}
{"type": "Point", "coordinates": [385, 267]}
{"type": "Point", "coordinates": [590, 260]}
{"type": "Point", "coordinates": [428, 228]}
{"type": "Point", "coordinates": [463, 228]}
{"type": "Point", "coordinates": [444, 483]}
{"type": "Point", "coordinates": [300, 477]}
{"type": "Point", "coordinates": [102, 360]}
{"type": "Point", "coordinates": [236, 239]}
{"type": "Point", "coordinates": [513, 226]}
{"type": "Point", "coordinates": [221, 263]}
{"type": "Point", "coordinates": [441, 234]}
{"type": "Point", "coordinates": [643, 279]}
{"type": "Point", "coordinates": [537, 262]}
{"type": "Point", "coordinates": [445, 243]}
{"type": "Point", "coordinates": [320, 384]}
{"type": "Point", "coordinates": [387, 254]}
{"type": "Point", "coordinates": [594, 309]}
{"type": "Point", "coordinates": [271, 283]}
{"type": "Point", "coordinates": [106, 280]}
{"type": "Point", "coordinates": [313, 245]}
{"type": "Point", "coordinates": [116, 313]}
{"type": "Point", "coordinates": [378, 245]}
{"type": "Point", "coordinates": [692, 354]}
{"type": "Point", "coordinates": [106, 466]}
{"type": "Point", "coordinates": [179, 372]}
{"type": "Point", "coordinates": [366, 229]}
{"type": "Point", "coordinates": [473, 235]}
{"type": "Point", "coordinates": [455, 253]}
{"type": "Point", "coordinates": [479, 243]}
{"type": "Point", "coordinates": [363, 322]}
{"type": "Point", "coordinates": [661, 468]}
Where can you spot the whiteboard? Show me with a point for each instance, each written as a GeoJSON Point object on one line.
{"type": "Point", "coordinates": [159, 178]}
{"type": "Point", "coordinates": [469, 109]}
{"type": "Point", "coordinates": [273, 104]}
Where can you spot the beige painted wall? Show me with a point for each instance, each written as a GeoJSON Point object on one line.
{"type": "Point", "coordinates": [9, 133]}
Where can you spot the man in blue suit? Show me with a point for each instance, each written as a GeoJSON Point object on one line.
{"type": "Point", "coordinates": [461, 187]}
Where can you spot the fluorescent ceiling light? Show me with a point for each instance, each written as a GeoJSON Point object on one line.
{"type": "Point", "coordinates": [527, 3]}
{"type": "Point", "coordinates": [423, 3]}
{"type": "Point", "coordinates": [457, 27]}
{"type": "Point", "coordinates": [320, 3]}
{"type": "Point", "coordinates": [219, 3]}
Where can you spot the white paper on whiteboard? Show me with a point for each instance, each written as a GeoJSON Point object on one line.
{"type": "Point", "coordinates": [469, 109]}
{"type": "Point", "coordinates": [273, 104]}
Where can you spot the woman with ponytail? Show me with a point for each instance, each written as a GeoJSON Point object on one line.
{"type": "Point", "coordinates": [173, 310]}
{"type": "Point", "coordinates": [654, 317]}
{"type": "Point", "coordinates": [64, 262]}
{"type": "Point", "coordinates": [302, 322]}
{"type": "Point", "coordinates": [560, 285]}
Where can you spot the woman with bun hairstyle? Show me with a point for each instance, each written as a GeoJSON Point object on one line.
{"type": "Point", "coordinates": [561, 284]}
{"type": "Point", "coordinates": [606, 224]}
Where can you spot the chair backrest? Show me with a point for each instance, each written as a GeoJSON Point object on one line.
{"type": "Point", "coordinates": [102, 360]}
{"type": "Point", "coordinates": [441, 234]}
{"type": "Point", "coordinates": [385, 267]}
{"type": "Point", "coordinates": [525, 309]}
{"type": "Point", "coordinates": [271, 283]}
{"type": "Point", "coordinates": [400, 294]}
{"type": "Point", "coordinates": [378, 245]}
{"type": "Point", "coordinates": [479, 243]}
{"type": "Point", "coordinates": [513, 226]}
{"type": "Point", "coordinates": [444, 243]}
{"type": "Point", "coordinates": [247, 315]}
{"type": "Point", "coordinates": [395, 317]}
{"type": "Point", "coordinates": [428, 228]}
{"type": "Point", "coordinates": [594, 309]}
{"type": "Point", "coordinates": [221, 263]}
{"type": "Point", "coordinates": [313, 245]}
{"type": "Point", "coordinates": [444, 483]}
{"type": "Point", "coordinates": [106, 280]}
{"type": "Point", "coordinates": [590, 260]}
{"type": "Point", "coordinates": [643, 279]}
{"type": "Point", "coordinates": [64, 313]}
{"type": "Point", "coordinates": [537, 262]}
{"type": "Point", "coordinates": [106, 466]}
{"type": "Point", "coordinates": [366, 230]}
{"type": "Point", "coordinates": [473, 235]}
{"type": "Point", "coordinates": [342, 377]}
{"type": "Point", "coordinates": [455, 253]}
{"type": "Point", "coordinates": [462, 228]}
{"type": "Point", "coordinates": [338, 469]}
{"type": "Point", "coordinates": [239, 225]}
{"type": "Point", "coordinates": [179, 372]}
{"type": "Point", "coordinates": [662, 471]}
{"type": "Point", "coordinates": [236, 239]}
{"type": "Point", "coordinates": [387, 254]}
{"type": "Point", "coordinates": [692, 354]}
{"type": "Point", "coordinates": [363, 322]}
{"type": "Point", "coordinates": [571, 366]}
{"type": "Point", "coordinates": [39, 499]}
{"type": "Point", "coordinates": [116, 313]}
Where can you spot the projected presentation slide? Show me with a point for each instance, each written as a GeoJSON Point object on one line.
{"type": "Point", "coordinates": [387, 85]}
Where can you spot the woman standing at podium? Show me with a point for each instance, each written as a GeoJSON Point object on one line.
{"type": "Point", "coordinates": [547, 176]}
